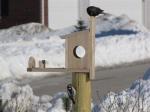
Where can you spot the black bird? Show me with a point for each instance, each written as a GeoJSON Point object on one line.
{"type": "Point", "coordinates": [94, 11]}
{"type": "Point", "coordinates": [71, 92]}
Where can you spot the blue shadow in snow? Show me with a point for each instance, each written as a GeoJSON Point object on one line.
{"type": "Point", "coordinates": [115, 32]}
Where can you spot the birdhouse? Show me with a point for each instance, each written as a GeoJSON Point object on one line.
{"type": "Point", "coordinates": [79, 52]}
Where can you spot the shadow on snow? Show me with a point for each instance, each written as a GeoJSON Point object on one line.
{"type": "Point", "coordinates": [115, 32]}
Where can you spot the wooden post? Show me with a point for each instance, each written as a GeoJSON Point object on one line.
{"type": "Point", "coordinates": [82, 84]}
{"type": "Point", "coordinates": [92, 50]}
{"type": "Point", "coordinates": [82, 81]}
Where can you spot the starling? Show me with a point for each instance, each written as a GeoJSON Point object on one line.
{"type": "Point", "coordinates": [94, 11]}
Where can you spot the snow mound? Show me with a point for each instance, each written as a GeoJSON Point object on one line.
{"type": "Point", "coordinates": [21, 32]}
{"type": "Point", "coordinates": [110, 22]}
{"type": "Point", "coordinates": [14, 56]}
{"type": "Point", "coordinates": [134, 99]}
{"type": "Point", "coordinates": [106, 23]}
{"type": "Point", "coordinates": [122, 49]}
{"type": "Point", "coordinates": [15, 98]}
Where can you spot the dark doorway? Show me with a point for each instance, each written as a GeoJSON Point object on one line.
{"type": "Point", "coordinates": [4, 8]}
{"type": "Point", "coordinates": [16, 12]}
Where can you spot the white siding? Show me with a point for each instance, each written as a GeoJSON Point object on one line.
{"type": "Point", "coordinates": [131, 8]}
{"type": "Point", "coordinates": [146, 13]}
{"type": "Point", "coordinates": [63, 13]}
{"type": "Point", "coordinates": [83, 4]}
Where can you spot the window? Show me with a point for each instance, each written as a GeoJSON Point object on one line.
{"type": "Point", "coordinates": [4, 8]}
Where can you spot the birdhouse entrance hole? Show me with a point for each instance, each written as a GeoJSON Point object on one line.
{"type": "Point", "coordinates": [79, 52]}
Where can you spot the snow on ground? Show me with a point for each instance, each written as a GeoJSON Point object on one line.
{"type": "Point", "coordinates": [134, 99]}
{"type": "Point", "coordinates": [22, 32]}
{"type": "Point", "coordinates": [16, 98]}
{"type": "Point", "coordinates": [119, 40]}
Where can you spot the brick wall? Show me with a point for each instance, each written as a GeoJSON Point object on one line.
{"type": "Point", "coordinates": [22, 11]}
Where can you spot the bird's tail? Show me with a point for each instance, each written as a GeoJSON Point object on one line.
{"type": "Point", "coordinates": [73, 100]}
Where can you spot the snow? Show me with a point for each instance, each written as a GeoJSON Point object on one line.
{"type": "Point", "coordinates": [134, 99]}
{"type": "Point", "coordinates": [147, 75]}
{"type": "Point", "coordinates": [122, 50]}
{"type": "Point", "coordinates": [21, 98]}
{"type": "Point", "coordinates": [119, 40]}
{"type": "Point", "coordinates": [22, 32]}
